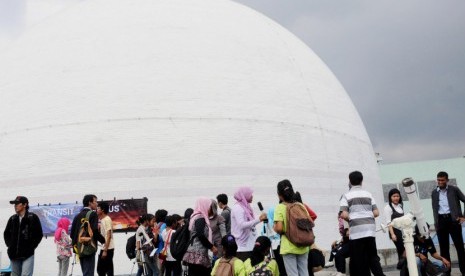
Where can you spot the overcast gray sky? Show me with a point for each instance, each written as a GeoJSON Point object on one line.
{"type": "Point", "coordinates": [401, 62]}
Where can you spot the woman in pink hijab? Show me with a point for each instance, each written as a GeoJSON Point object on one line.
{"type": "Point", "coordinates": [196, 256]}
{"type": "Point", "coordinates": [63, 243]}
{"type": "Point", "coordinates": [243, 222]}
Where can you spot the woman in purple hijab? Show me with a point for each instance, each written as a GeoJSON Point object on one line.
{"type": "Point", "coordinates": [243, 222]}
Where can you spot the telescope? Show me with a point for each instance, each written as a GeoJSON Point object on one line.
{"type": "Point", "coordinates": [417, 210]}
{"type": "Point", "coordinates": [407, 222]}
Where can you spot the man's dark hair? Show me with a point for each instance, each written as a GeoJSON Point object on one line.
{"type": "Point", "coordinates": [104, 206]}
{"type": "Point", "coordinates": [223, 198]}
{"type": "Point", "coordinates": [443, 174]}
{"type": "Point", "coordinates": [355, 178]}
{"type": "Point", "coordinates": [160, 215]}
{"type": "Point", "coordinates": [176, 217]}
{"type": "Point", "coordinates": [171, 221]}
{"type": "Point", "coordinates": [88, 199]}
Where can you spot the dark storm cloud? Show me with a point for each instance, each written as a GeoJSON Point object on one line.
{"type": "Point", "coordinates": [402, 63]}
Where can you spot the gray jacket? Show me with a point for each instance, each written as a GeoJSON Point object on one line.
{"type": "Point", "coordinates": [454, 196]}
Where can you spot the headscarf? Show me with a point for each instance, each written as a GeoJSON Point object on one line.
{"type": "Point", "coordinates": [243, 196]}
{"type": "Point", "coordinates": [202, 206]}
{"type": "Point", "coordinates": [63, 224]}
{"type": "Point", "coordinates": [214, 208]}
{"type": "Point", "coordinates": [260, 250]}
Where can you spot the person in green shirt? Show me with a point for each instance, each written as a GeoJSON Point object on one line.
{"type": "Point", "coordinates": [229, 258]}
{"type": "Point", "coordinates": [259, 259]}
{"type": "Point", "coordinates": [295, 257]}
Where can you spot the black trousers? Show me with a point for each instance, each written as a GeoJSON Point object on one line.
{"type": "Point", "coordinates": [340, 258]}
{"type": "Point", "coordinates": [399, 243]}
{"type": "Point", "coordinates": [105, 265]}
{"type": "Point", "coordinates": [279, 260]}
{"type": "Point", "coordinates": [448, 227]}
{"type": "Point", "coordinates": [173, 268]}
{"type": "Point", "coordinates": [198, 270]}
{"type": "Point", "coordinates": [364, 257]}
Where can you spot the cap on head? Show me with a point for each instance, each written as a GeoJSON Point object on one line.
{"type": "Point", "coordinates": [19, 199]}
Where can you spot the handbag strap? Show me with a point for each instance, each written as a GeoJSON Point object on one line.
{"type": "Point", "coordinates": [168, 240]}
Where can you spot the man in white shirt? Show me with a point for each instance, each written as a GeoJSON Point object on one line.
{"type": "Point", "coordinates": [359, 208]}
{"type": "Point", "coordinates": [105, 258]}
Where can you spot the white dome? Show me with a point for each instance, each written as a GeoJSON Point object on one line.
{"type": "Point", "coordinates": [174, 99]}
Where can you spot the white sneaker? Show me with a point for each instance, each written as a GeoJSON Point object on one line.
{"type": "Point", "coordinates": [329, 264]}
{"type": "Point", "coordinates": [340, 274]}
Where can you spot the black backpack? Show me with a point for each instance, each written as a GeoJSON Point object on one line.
{"type": "Point", "coordinates": [180, 242]}
{"type": "Point", "coordinates": [131, 247]}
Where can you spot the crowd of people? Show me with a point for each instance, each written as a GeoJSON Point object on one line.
{"type": "Point", "coordinates": [230, 243]}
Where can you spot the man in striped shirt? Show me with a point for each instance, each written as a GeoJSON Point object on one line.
{"type": "Point", "coordinates": [359, 208]}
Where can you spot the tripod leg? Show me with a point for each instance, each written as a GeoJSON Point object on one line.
{"type": "Point", "coordinates": [133, 264]}
{"type": "Point", "coordinates": [72, 265]}
{"type": "Point", "coordinates": [144, 264]}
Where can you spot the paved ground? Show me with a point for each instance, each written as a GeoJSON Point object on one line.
{"type": "Point", "coordinates": [328, 271]}
{"type": "Point", "coordinates": [390, 271]}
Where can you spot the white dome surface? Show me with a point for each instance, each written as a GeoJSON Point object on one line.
{"type": "Point", "coordinates": [172, 100]}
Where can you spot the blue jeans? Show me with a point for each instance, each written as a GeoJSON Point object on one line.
{"type": "Point", "coordinates": [22, 267]}
{"type": "Point", "coordinates": [151, 266]}
{"type": "Point", "coordinates": [88, 265]}
{"type": "Point", "coordinates": [296, 265]}
{"type": "Point", "coordinates": [436, 263]}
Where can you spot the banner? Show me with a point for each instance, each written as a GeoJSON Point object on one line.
{"type": "Point", "coordinates": [123, 212]}
{"type": "Point", "coordinates": [49, 215]}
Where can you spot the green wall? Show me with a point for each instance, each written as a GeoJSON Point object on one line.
{"type": "Point", "coordinates": [424, 174]}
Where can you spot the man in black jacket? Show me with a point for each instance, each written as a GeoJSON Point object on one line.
{"type": "Point", "coordinates": [448, 217]}
{"type": "Point", "coordinates": [90, 204]}
{"type": "Point", "coordinates": [22, 235]}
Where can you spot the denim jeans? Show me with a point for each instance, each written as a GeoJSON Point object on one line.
{"type": "Point", "coordinates": [296, 265]}
{"type": "Point", "coordinates": [151, 267]}
{"type": "Point", "coordinates": [22, 267]}
{"type": "Point", "coordinates": [152, 264]}
{"type": "Point", "coordinates": [436, 263]}
{"type": "Point", "coordinates": [88, 265]}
